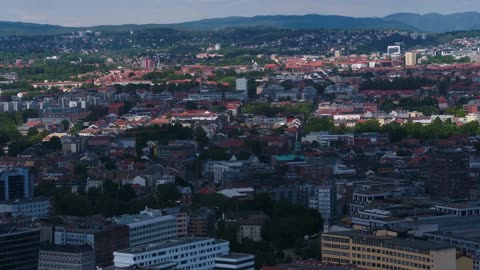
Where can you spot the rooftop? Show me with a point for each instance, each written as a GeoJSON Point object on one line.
{"type": "Point", "coordinates": [170, 243]}
{"type": "Point", "coordinates": [66, 248]}
{"type": "Point", "coordinates": [401, 242]}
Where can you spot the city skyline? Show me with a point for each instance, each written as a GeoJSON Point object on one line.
{"type": "Point", "coordinates": [108, 12]}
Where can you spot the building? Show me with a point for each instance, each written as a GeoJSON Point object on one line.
{"type": "Point", "coordinates": [38, 207]}
{"type": "Point", "coordinates": [449, 175]}
{"type": "Point", "coordinates": [61, 257]}
{"type": "Point", "coordinates": [104, 238]}
{"type": "Point", "coordinates": [249, 224]}
{"type": "Point", "coordinates": [235, 261]}
{"type": "Point", "coordinates": [322, 197]}
{"type": "Point", "coordinates": [393, 50]}
{"type": "Point", "coordinates": [15, 183]}
{"type": "Point", "coordinates": [190, 253]}
{"type": "Point", "coordinates": [337, 54]}
{"type": "Point", "coordinates": [149, 227]}
{"type": "Point", "coordinates": [241, 84]}
{"type": "Point", "coordinates": [18, 247]}
{"type": "Point", "coordinates": [202, 223]}
{"type": "Point", "coordinates": [386, 252]}
{"type": "Point", "coordinates": [147, 63]}
{"type": "Point", "coordinates": [410, 59]}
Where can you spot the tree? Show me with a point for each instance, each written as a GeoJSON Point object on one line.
{"type": "Point", "coordinates": [110, 165]}
{"type": "Point", "coordinates": [167, 194]}
{"type": "Point", "coordinates": [54, 143]}
{"type": "Point", "coordinates": [371, 125]}
{"type": "Point", "coordinates": [190, 105]}
{"type": "Point", "coordinates": [65, 124]}
{"type": "Point", "coordinates": [32, 132]}
{"type": "Point", "coordinates": [200, 136]}
{"type": "Point", "coordinates": [316, 124]}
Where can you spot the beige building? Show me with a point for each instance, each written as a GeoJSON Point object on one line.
{"type": "Point", "coordinates": [410, 59]}
{"type": "Point", "coordinates": [386, 252]}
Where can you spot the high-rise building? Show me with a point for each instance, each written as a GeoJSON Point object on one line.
{"type": "Point", "coordinates": [18, 247]}
{"type": "Point", "coordinates": [149, 227]}
{"type": "Point", "coordinates": [410, 59]}
{"type": "Point", "coordinates": [322, 197]}
{"type": "Point", "coordinates": [15, 183]}
{"type": "Point", "coordinates": [147, 63]}
{"type": "Point", "coordinates": [190, 253]}
{"type": "Point", "coordinates": [242, 85]}
{"type": "Point", "coordinates": [386, 252]}
{"type": "Point", "coordinates": [61, 257]}
{"type": "Point", "coordinates": [449, 175]}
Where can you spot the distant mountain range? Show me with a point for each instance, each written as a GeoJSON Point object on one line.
{"type": "Point", "coordinates": [431, 22]}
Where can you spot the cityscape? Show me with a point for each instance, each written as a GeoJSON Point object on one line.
{"type": "Point", "coordinates": [240, 140]}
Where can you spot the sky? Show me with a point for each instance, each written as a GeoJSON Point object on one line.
{"type": "Point", "coordinates": [101, 12]}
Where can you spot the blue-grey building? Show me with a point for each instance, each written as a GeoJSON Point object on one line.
{"type": "Point", "coordinates": [15, 183]}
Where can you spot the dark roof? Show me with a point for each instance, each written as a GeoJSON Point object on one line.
{"type": "Point", "coordinates": [66, 248]}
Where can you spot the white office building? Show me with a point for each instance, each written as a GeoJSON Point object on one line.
{"type": "Point", "coordinates": [39, 207]}
{"type": "Point", "coordinates": [189, 254]}
{"type": "Point", "coordinates": [149, 227]}
{"type": "Point", "coordinates": [235, 261]}
{"type": "Point", "coordinates": [241, 84]}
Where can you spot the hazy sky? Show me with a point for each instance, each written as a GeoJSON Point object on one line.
{"type": "Point", "coordinates": [95, 12]}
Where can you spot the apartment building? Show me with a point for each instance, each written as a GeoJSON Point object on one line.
{"type": "Point", "coordinates": [381, 251]}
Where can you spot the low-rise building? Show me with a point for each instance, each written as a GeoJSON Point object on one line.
{"type": "Point", "coordinates": [61, 257]}
{"type": "Point", "coordinates": [235, 261]}
{"type": "Point", "coordinates": [38, 207]}
{"type": "Point", "coordinates": [386, 252]}
{"type": "Point", "coordinates": [149, 227]}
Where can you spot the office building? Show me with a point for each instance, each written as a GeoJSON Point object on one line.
{"type": "Point", "coordinates": [103, 237]}
{"type": "Point", "coordinates": [191, 253]}
{"type": "Point", "coordinates": [38, 207]}
{"type": "Point", "coordinates": [18, 247]}
{"type": "Point", "coordinates": [61, 257]}
{"type": "Point", "coordinates": [380, 251]}
{"type": "Point", "coordinates": [410, 59]}
{"type": "Point", "coordinates": [235, 261]}
{"type": "Point", "coordinates": [149, 227]}
{"type": "Point", "coordinates": [449, 175]}
{"type": "Point", "coordinates": [322, 197]}
{"type": "Point", "coordinates": [15, 183]}
{"type": "Point", "coordinates": [202, 223]}
{"type": "Point", "coordinates": [241, 84]}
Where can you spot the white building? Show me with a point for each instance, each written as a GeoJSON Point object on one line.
{"type": "Point", "coordinates": [241, 84]}
{"type": "Point", "coordinates": [149, 227]}
{"type": "Point", "coordinates": [235, 261]}
{"type": "Point", "coordinates": [190, 253]}
{"type": "Point", "coordinates": [39, 207]}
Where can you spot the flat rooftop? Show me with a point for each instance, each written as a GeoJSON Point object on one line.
{"type": "Point", "coordinates": [168, 244]}
{"type": "Point", "coordinates": [236, 256]}
{"type": "Point", "coordinates": [402, 242]}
